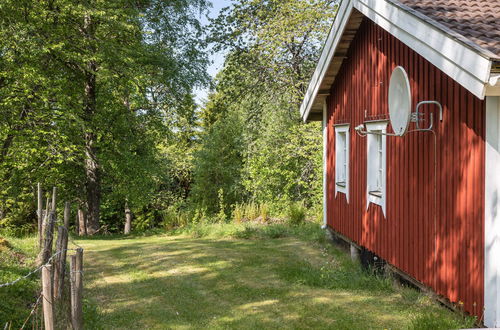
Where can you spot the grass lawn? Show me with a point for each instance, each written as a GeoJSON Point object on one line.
{"type": "Point", "coordinates": [256, 278]}
{"type": "Point", "coordinates": [17, 258]}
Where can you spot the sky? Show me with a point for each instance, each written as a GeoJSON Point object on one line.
{"type": "Point", "coordinates": [216, 59]}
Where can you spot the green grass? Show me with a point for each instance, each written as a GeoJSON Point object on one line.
{"type": "Point", "coordinates": [17, 259]}
{"type": "Point", "coordinates": [245, 276]}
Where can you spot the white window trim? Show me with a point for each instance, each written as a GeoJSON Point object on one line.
{"type": "Point", "coordinates": [343, 128]}
{"type": "Point", "coordinates": [377, 200]}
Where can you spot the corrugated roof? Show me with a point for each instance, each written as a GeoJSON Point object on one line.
{"type": "Point", "coordinates": [476, 20]}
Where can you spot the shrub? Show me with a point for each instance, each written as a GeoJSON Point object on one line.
{"type": "Point", "coordinates": [238, 213]}
{"type": "Point", "coordinates": [296, 214]}
{"type": "Point", "coordinates": [174, 218]}
{"type": "Point", "coordinates": [264, 212]}
{"type": "Point", "coordinates": [221, 216]}
{"type": "Point", "coordinates": [251, 211]}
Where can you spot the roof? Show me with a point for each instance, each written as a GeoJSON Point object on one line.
{"type": "Point", "coordinates": [459, 37]}
{"type": "Point", "coordinates": [477, 21]}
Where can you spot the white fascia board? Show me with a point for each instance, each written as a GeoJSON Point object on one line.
{"type": "Point", "coordinates": [464, 65]}
{"type": "Point", "coordinates": [332, 41]}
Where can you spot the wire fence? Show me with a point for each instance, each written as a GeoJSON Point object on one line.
{"type": "Point", "coordinates": [53, 268]}
{"type": "Point", "coordinates": [36, 270]}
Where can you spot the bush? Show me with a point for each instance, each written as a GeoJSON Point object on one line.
{"type": "Point", "coordinates": [296, 214]}
{"type": "Point", "coordinates": [264, 212]}
{"type": "Point", "coordinates": [175, 218]}
{"type": "Point", "coordinates": [238, 213]}
{"type": "Point", "coordinates": [250, 211]}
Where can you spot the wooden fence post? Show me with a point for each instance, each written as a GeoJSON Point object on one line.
{"type": "Point", "coordinates": [48, 310]}
{"type": "Point", "coordinates": [67, 214]}
{"type": "Point", "coordinates": [45, 215]}
{"type": "Point", "coordinates": [60, 262]}
{"type": "Point", "coordinates": [76, 267]}
{"type": "Point", "coordinates": [39, 213]}
{"type": "Point", "coordinates": [48, 238]}
{"type": "Point", "coordinates": [54, 193]}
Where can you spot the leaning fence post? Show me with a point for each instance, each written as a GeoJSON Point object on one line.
{"type": "Point", "coordinates": [48, 310]}
{"type": "Point", "coordinates": [48, 229]}
{"type": "Point", "coordinates": [45, 216]}
{"type": "Point", "coordinates": [76, 267]}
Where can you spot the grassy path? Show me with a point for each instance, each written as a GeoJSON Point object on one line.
{"type": "Point", "coordinates": [181, 282]}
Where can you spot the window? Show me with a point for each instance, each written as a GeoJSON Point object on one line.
{"type": "Point", "coordinates": [342, 159]}
{"type": "Point", "coordinates": [376, 164]}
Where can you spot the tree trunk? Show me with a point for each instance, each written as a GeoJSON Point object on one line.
{"type": "Point", "coordinates": [92, 172]}
{"type": "Point", "coordinates": [92, 184]}
{"type": "Point", "coordinates": [82, 223]}
{"type": "Point", "coordinates": [128, 219]}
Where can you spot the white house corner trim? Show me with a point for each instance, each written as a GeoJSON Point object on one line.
{"type": "Point", "coordinates": [325, 186]}
{"type": "Point", "coordinates": [492, 214]}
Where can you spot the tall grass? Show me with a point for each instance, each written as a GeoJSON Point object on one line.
{"type": "Point", "coordinates": [250, 211]}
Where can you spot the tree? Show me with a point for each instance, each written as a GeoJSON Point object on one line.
{"type": "Point", "coordinates": [273, 49]}
{"type": "Point", "coordinates": [87, 87]}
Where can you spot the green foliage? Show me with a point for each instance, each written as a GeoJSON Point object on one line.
{"type": "Point", "coordinates": [271, 57]}
{"type": "Point", "coordinates": [17, 259]}
{"type": "Point", "coordinates": [296, 214]}
{"type": "Point", "coordinates": [218, 165]}
{"type": "Point", "coordinates": [143, 57]}
{"type": "Point", "coordinates": [431, 321]}
{"type": "Point", "coordinates": [251, 211]}
{"type": "Point", "coordinates": [92, 317]}
{"type": "Point", "coordinates": [174, 218]}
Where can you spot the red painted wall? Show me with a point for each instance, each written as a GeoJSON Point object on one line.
{"type": "Point", "coordinates": [447, 253]}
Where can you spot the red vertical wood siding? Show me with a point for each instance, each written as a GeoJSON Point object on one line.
{"type": "Point", "coordinates": [443, 252]}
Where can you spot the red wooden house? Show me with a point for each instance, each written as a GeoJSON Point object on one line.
{"type": "Point", "coordinates": [425, 199]}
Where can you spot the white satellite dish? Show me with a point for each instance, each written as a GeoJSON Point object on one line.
{"type": "Point", "coordinates": [399, 101]}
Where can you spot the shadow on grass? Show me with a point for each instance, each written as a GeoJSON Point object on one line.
{"type": "Point", "coordinates": [172, 282]}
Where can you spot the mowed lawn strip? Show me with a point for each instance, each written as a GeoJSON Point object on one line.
{"type": "Point", "coordinates": [184, 282]}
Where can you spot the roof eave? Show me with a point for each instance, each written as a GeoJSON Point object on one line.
{"type": "Point", "coordinates": [467, 65]}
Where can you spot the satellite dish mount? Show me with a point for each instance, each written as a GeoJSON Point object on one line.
{"type": "Point", "coordinates": [400, 114]}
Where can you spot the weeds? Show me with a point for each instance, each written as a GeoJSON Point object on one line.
{"type": "Point", "coordinates": [250, 212]}
{"type": "Point", "coordinates": [296, 214]}
{"type": "Point", "coordinates": [432, 321]}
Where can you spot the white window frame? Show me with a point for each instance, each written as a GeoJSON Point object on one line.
{"type": "Point", "coordinates": [376, 164]}
{"type": "Point", "coordinates": [342, 152]}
